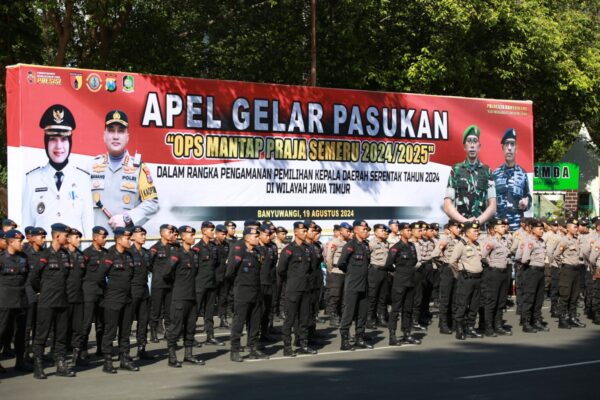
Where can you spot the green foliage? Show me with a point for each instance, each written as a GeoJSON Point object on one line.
{"type": "Point", "coordinates": [547, 51]}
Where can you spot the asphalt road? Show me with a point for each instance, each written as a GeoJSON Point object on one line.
{"type": "Point", "coordinates": [560, 364]}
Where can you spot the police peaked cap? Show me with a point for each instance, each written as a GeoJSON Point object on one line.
{"type": "Point", "coordinates": [510, 133]}
{"type": "Point", "coordinates": [472, 130]}
{"type": "Point", "coordinates": [470, 224]}
{"type": "Point", "coordinates": [116, 117]}
{"type": "Point", "coordinates": [57, 120]}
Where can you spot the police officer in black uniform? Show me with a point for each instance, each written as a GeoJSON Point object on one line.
{"type": "Point", "coordinates": [36, 243]}
{"type": "Point", "coordinates": [401, 261]}
{"type": "Point", "coordinates": [75, 333]}
{"type": "Point", "coordinates": [222, 285]}
{"type": "Point", "coordinates": [93, 286]}
{"type": "Point", "coordinates": [354, 261]}
{"type": "Point", "coordinates": [295, 267]}
{"type": "Point", "coordinates": [117, 300]}
{"type": "Point", "coordinates": [14, 271]}
{"type": "Point", "coordinates": [162, 288]}
{"type": "Point", "coordinates": [268, 259]}
{"type": "Point", "coordinates": [316, 281]}
{"type": "Point", "coordinates": [50, 280]}
{"type": "Point", "coordinates": [243, 268]}
{"type": "Point", "coordinates": [140, 295]}
{"type": "Point", "coordinates": [183, 306]}
{"type": "Point", "coordinates": [206, 280]}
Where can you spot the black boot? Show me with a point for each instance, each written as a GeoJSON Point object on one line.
{"type": "Point", "coordinates": [62, 369]}
{"type": "Point", "coordinates": [393, 339]}
{"type": "Point", "coordinates": [210, 339]}
{"type": "Point", "coordinates": [224, 322]}
{"type": "Point", "coordinates": [381, 322]}
{"type": "Point", "coordinates": [256, 354]}
{"type": "Point", "coordinates": [539, 325]}
{"type": "Point", "coordinates": [360, 343]}
{"type": "Point", "coordinates": [489, 330]}
{"type": "Point", "coordinates": [84, 354]}
{"type": "Point", "coordinates": [346, 346]}
{"type": "Point", "coordinates": [288, 351]}
{"type": "Point", "coordinates": [173, 362]}
{"type": "Point", "coordinates": [500, 331]}
{"type": "Point", "coordinates": [190, 358]}
{"type": "Point", "coordinates": [460, 331]}
{"type": "Point", "coordinates": [563, 323]}
{"type": "Point", "coordinates": [108, 365]}
{"type": "Point", "coordinates": [371, 324]}
{"type": "Point", "coordinates": [576, 323]}
{"type": "Point", "coordinates": [417, 326]}
{"type": "Point", "coordinates": [444, 328]}
{"type": "Point", "coordinates": [38, 368]}
{"type": "Point", "coordinates": [304, 349]}
{"type": "Point", "coordinates": [333, 321]}
{"type": "Point", "coordinates": [153, 335]}
{"type": "Point", "coordinates": [127, 363]}
{"type": "Point", "coordinates": [407, 338]}
{"type": "Point", "coordinates": [596, 318]}
{"type": "Point", "coordinates": [235, 355]}
{"type": "Point", "coordinates": [75, 356]}
{"type": "Point", "coordinates": [472, 333]}
{"type": "Point", "coordinates": [528, 328]}
{"type": "Point", "coordinates": [142, 354]}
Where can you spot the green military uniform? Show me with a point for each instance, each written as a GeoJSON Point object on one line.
{"type": "Point", "coordinates": [470, 186]}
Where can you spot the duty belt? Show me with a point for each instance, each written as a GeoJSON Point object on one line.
{"type": "Point", "coordinates": [471, 275]}
{"type": "Point", "coordinates": [377, 266]}
{"type": "Point", "coordinates": [570, 266]}
{"type": "Point", "coordinates": [497, 269]}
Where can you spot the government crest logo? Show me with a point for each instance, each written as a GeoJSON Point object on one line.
{"type": "Point", "coordinates": [128, 83]}
{"type": "Point", "coordinates": [76, 81]}
{"type": "Point", "coordinates": [111, 83]}
{"type": "Point", "coordinates": [94, 82]}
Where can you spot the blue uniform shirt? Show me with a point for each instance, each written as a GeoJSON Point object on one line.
{"type": "Point", "coordinates": [512, 185]}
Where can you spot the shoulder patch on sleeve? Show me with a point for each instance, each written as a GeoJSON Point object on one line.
{"type": "Point", "coordinates": [109, 262]}
{"type": "Point", "coordinates": [289, 252]}
{"type": "Point", "coordinates": [153, 250]}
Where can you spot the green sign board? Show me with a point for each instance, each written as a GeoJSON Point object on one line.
{"type": "Point", "coordinates": [555, 176]}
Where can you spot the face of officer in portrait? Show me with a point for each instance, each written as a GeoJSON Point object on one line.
{"type": "Point", "coordinates": [509, 147]}
{"type": "Point", "coordinates": [472, 147]}
{"type": "Point", "coordinates": [58, 148]}
{"type": "Point", "coordinates": [116, 137]}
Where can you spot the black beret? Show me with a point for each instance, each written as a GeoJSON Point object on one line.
{"type": "Point", "coordinates": [139, 229]}
{"type": "Point", "coordinates": [336, 227]}
{"type": "Point", "coordinates": [38, 231]}
{"type": "Point", "coordinates": [120, 231]}
{"type": "Point", "coordinates": [116, 117]}
{"type": "Point", "coordinates": [584, 222]}
{"type": "Point", "coordinates": [318, 228]}
{"type": "Point", "coordinates": [309, 223]}
{"type": "Point", "coordinates": [393, 221]}
{"type": "Point", "coordinates": [230, 223]}
{"type": "Point", "coordinates": [510, 133]}
{"type": "Point", "coordinates": [76, 232]}
{"type": "Point", "coordinates": [188, 229]}
{"type": "Point", "coordinates": [13, 234]}
{"type": "Point", "coordinates": [57, 120]}
{"type": "Point", "coordinates": [168, 227]}
{"type": "Point", "coordinates": [221, 228]}
{"type": "Point", "coordinates": [553, 222]}
{"type": "Point", "coordinates": [264, 228]}
{"type": "Point", "coordinates": [28, 230]}
{"type": "Point", "coordinates": [453, 222]}
{"type": "Point", "coordinates": [250, 231]}
{"type": "Point", "coordinates": [1, 234]}
{"type": "Point", "coordinates": [416, 225]}
{"type": "Point", "coordinates": [536, 223]}
{"type": "Point", "coordinates": [380, 226]}
{"type": "Point", "coordinates": [207, 224]}
{"type": "Point", "coordinates": [9, 222]}
{"type": "Point", "coordinates": [360, 222]}
{"type": "Point", "coordinates": [435, 226]}
{"type": "Point", "coordinates": [345, 225]}
{"type": "Point", "coordinates": [58, 227]}
{"type": "Point", "coordinates": [281, 229]}
{"type": "Point", "coordinates": [403, 225]}
{"type": "Point", "coordinates": [99, 230]}
{"type": "Point", "coordinates": [267, 222]}
{"type": "Point", "coordinates": [299, 225]}
{"type": "Point", "coordinates": [252, 222]}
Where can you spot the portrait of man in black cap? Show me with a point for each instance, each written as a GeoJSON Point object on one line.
{"type": "Point", "coordinates": [123, 191]}
{"type": "Point", "coordinates": [58, 191]}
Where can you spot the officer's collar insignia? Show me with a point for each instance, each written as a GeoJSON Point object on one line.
{"type": "Point", "coordinates": [59, 115]}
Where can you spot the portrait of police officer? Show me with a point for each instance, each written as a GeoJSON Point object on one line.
{"type": "Point", "coordinates": [123, 190]}
{"type": "Point", "coordinates": [470, 194]}
{"type": "Point", "coordinates": [58, 191]}
{"type": "Point", "coordinates": [512, 185]}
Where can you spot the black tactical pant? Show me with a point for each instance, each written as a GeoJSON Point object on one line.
{"type": "Point", "coordinates": [402, 300]}
{"type": "Point", "coordinates": [447, 288]}
{"type": "Point", "coordinates": [426, 290]}
{"type": "Point", "coordinates": [140, 310]}
{"type": "Point", "coordinates": [356, 306]}
{"type": "Point", "coordinates": [419, 287]}
{"type": "Point", "coordinates": [467, 294]}
{"type": "Point", "coordinates": [117, 317]}
{"type": "Point", "coordinates": [519, 286]}
{"type": "Point", "coordinates": [17, 318]}
{"type": "Point", "coordinates": [183, 321]}
{"type": "Point", "coordinates": [493, 287]}
{"type": "Point", "coordinates": [245, 312]}
{"type": "Point", "coordinates": [223, 290]}
{"type": "Point", "coordinates": [297, 310]}
{"type": "Point", "coordinates": [554, 293]}
{"type": "Point", "coordinates": [205, 305]}
{"type": "Point", "coordinates": [93, 312]}
{"type": "Point", "coordinates": [587, 293]}
{"type": "Point", "coordinates": [435, 293]}
{"type": "Point", "coordinates": [160, 300]}
{"type": "Point", "coordinates": [48, 318]}
{"type": "Point", "coordinates": [533, 294]}
{"type": "Point", "coordinates": [315, 301]}
{"type": "Point", "coordinates": [31, 322]}
{"type": "Point", "coordinates": [379, 287]}
{"type": "Point", "coordinates": [595, 298]}
{"type": "Point", "coordinates": [266, 297]}
{"type": "Point", "coordinates": [335, 291]}
{"type": "Point", "coordinates": [75, 333]}
{"type": "Point", "coordinates": [568, 288]}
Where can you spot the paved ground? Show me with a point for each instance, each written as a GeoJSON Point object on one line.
{"type": "Point", "coordinates": [560, 364]}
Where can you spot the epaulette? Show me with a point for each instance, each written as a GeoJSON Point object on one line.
{"type": "Point", "coordinates": [33, 170]}
{"type": "Point", "coordinates": [463, 241]}
{"type": "Point", "coordinates": [82, 170]}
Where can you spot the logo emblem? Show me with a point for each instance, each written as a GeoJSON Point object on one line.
{"type": "Point", "coordinates": [41, 207]}
{"type": "Point", "coordinates": [76, 81]}
{"type": "Point", "coordinates": [111, 83]}
{"type": "Point", "coordinates": [126, 199]}
{"type": "Point", "coordinates": [58, 115]}
{"type": "Point", "coordinates": [93, 82]}
{"type": "Point", "coordinates": [117, 115]}
{"type": "Point", "coordinates": [128, 84]}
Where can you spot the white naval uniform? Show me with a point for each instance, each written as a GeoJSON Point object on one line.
{"type": "Point", "coordinates": [44, 205]}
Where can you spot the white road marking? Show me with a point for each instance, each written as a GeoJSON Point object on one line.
{"type": "Point", "coordinates": [520, 371]}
